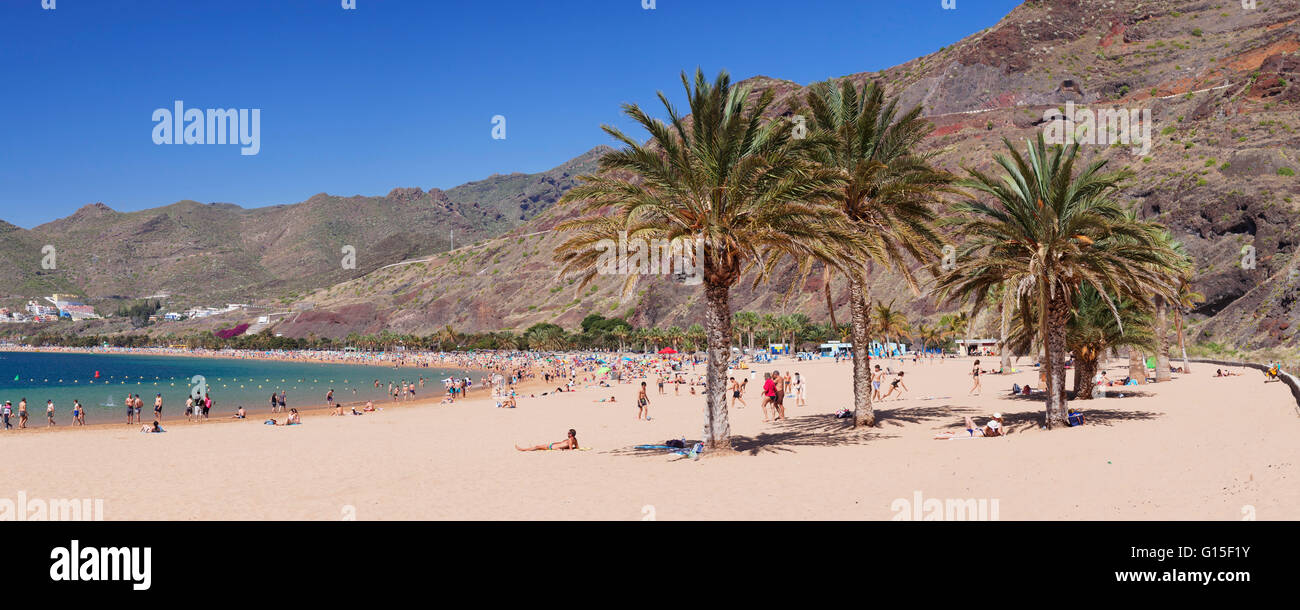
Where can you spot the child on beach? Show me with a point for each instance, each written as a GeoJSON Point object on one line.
{"type": "Point", "coordinates": [893, 385]}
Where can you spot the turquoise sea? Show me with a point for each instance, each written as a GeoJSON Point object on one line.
{"type": "Point", "coordinates": [231, 382]}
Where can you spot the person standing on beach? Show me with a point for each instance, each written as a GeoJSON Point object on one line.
{"type": "Point", "coordinates": [283, 402]}
{"type": "Point", "coordinates": [799, 400]}
{"type": "Point", "coordinates": [643, 404]}
{"type": "Point", "coordinates": [975, 372]}
{"type": "Point", "coordinates": [5, 412]}
{"type": "Point", "coordinates": [877, 380]}
{"type": "Point", "coordinates": [130, 410]}
{"type": "Point", "coordinates": [329, 397]}
{"type": "Point", "coordinates": [22, 413]}
{"type": "Point", "coordinates": [157, 407]}
{"type": "Point", "coordinates": [49, 413]}
{"type": "Point", "coordinates": [778, 397]}
{"type": "Point", "coordinates": [207, 405]}
{"type": "Point", "coordinates": [275, 403]}
{"type": "Point", "coordinates": [769, 388]}
{"type": "Point", "coordinates": [78, 413]}
{"type": "Point", "coordinates": [189, 408]}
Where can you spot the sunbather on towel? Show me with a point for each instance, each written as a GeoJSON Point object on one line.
{"type": "Point", "coordinates": [993, 428]}
{"type": "Point", "coordinates": [569, 443]}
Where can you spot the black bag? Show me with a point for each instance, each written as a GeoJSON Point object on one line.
{"type": "Point", "coordinates": [675, 443]}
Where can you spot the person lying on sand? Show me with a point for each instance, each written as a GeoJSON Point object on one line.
{"type": "Point", "coordinates": [992, 428]}
{"type": "Point", "coordinates": [154, 429]}
{"type": "Point", "coordinates": [293, 420]}
{"type": "Point", "coordinates": [610, 399]}
{"type": "Point", "coordinates": [569, 443]}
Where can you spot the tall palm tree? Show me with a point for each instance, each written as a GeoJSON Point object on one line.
{"type": "Point", "coordinates": [887, 195]}
{"type": "Point", "coordinates": [768, 324]}
{"type": "Point", "coordinates": [1046, 232]}
{"type": "Point", "coordinates": [890, 323]}
{"type": "Point", "coordinates": [747, 321]}
{"type": "Point", "coordinates": [726, 176]}
{"type": "Point", "coordinates": [1094, 329]}
{"type": "Point", "coordinates": [1186, 301]}
{"type": "Point", "coordinates": [1182, 267]}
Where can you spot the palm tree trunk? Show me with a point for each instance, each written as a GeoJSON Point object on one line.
{"type": "Point", "coordinates": [863, 414]}
{"type": "Point", "coordinates": [717, 427]}
{"type": "Point", "coordinates": [1004, 331]}
{"type": "Point", "coordinates": [1137, 367]}
{"type": "Point", "coordinates": [1162, 341]}
{"type": "Point", "coordinates": [826, 288]}
{"type": "Point", "coordinates": [1055, 313]}
{"type": "Point", "coordinates": [1182, 343]}
{"type": "Point", "coordinates": [1085, 366]}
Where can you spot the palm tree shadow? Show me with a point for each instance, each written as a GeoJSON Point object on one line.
{"type": "Point", "coordinates": [807, 431]}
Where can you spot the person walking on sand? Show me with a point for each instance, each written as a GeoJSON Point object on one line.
{"type": "Point", "coordinates": [799, 400]}
{"type": "Point", "coordinates": [978, 387]}
{"type": "Point", "coordinates": [769, 389]}
{"type": "Point", "coordinates": [893, 385]}
{"type": "Point", "coordinates": [877, 380]}
{"type": "Point", "coordinates": [643, 404]}
{"type": "Point", "coordinates": [735, 394]}
{"type": "Point", "coordinates": [22, 413]}
{"type": "Point", "coordinates": [778, 396]}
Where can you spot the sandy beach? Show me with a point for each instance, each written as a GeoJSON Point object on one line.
{"type": "Point", "coordinates": [1198, 447]}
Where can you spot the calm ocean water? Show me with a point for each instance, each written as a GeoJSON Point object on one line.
{"type": "Point", "coordinates": [65, 377]}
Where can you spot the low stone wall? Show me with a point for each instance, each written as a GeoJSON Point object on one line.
{"type": "Point", "coordinates": [1290, 380]}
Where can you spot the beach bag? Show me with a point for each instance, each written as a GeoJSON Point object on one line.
{"type": "Point", "coordinates": [843, 414]}
{"type": "Point", "coordinates": [675, 443]}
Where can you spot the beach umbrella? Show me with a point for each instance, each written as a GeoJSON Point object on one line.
{"type": "Point", "coordinates": [667, 350]}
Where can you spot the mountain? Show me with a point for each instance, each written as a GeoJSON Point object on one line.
{"type": "Point", "coordinates": [1220, 83]}
{"type": "Point", "coordinates": [219, 252]}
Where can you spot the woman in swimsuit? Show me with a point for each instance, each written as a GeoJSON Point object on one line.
{"type": "Point", "coordinates": [569, 443]}
{"type": "Point", "coordinates": [975, 372]}
{"type": "Point", "coordinates": [991, 429]}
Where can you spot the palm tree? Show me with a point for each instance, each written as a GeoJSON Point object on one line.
{"type": "Point", "coordinates": [957, 326]}
{"type": "Point", "coordinates": [887, 195]}
{"type": "Point", "coordinates": [621, 332]}
{"type": "Point", "coordinates": [747, 322]}
{"type": "Point", "coordinates": [1047, 232]}
{"type": "Point", "coordinates": [1186, 301]}
{"type": "Point", "coordinates": [890, 323]}
{"type": "Point", "coordinates": [1182, 268]}
{"type": "Point", "coordinates": [728, 177]}
{"type": "Point", "coordinates": [768, 324]}
{"type": "Point", "coordinates": [1094, 329]}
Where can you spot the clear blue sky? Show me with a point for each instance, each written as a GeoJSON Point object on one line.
{"type": "Point", "coordinates": [394, 93]}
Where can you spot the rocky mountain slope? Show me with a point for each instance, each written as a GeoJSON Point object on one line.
{"type": "Point", "coordinates": [1219, 81]}
{"type": "Point", "coordinates": [207, 254]}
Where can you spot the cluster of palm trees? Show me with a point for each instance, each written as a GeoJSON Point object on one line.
{"type": "Point", "coordinates": [853, 195]}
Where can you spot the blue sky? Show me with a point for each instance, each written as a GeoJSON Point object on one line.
{"type": "Point", "coordinates": [393, 93]}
